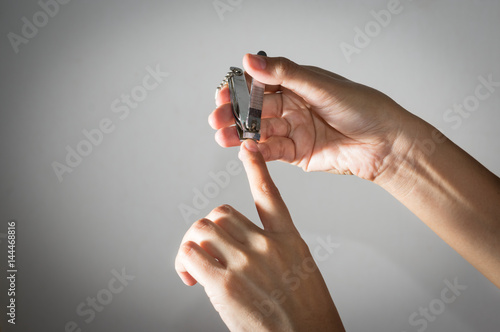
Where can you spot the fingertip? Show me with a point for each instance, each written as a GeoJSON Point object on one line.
{"type": "Point", "coordinates": [221, 117]}
{"type": "Point", "coordinates": [219, 139]}
{"type": "Point", "coordinates": [247, 61]}
{"type": "Point", "coordinates": [227, 137]}
{"type": "Point", "coordinates": [248, 149]}
{"type": "Point", "coordinates": [255, 62]}
{"type": "Point", "coordinates": [187, 279]}
{"type": "Point", "coordinates": [251, 145]}
{"type": "Point", "coordinates": [211, 121]}
{"type": "Point", "coordinates": [241, 153]}
{"type": "Point", "coordinates": [222, 96]}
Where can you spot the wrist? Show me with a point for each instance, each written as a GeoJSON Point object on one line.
{"type": "Point", "coordinates": [412, 152]}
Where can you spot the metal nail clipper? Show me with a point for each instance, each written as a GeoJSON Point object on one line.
{"type": "Point", "coordinates": [247, 106]}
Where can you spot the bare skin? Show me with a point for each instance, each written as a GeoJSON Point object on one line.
{"type": "Point", "coordinates": [320, 121]}
{"type": "Point", "coordinates": [244, 268]}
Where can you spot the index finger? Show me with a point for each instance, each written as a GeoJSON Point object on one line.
{"type": "Point", "coordinates": [271, 208]}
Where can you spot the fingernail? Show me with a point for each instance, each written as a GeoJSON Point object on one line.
{"type": "Point", "coordinates": [251, 145]}
{"type": "Point", "coordinates": [258, 62]}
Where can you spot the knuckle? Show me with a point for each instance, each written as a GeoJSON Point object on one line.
{"type": "Point", "coordinates": [244, 260]}
{"type": "Point", "coordinates": [224, 209]}
{"type": "Point", "coordinates": [285, 67]}
{"type": "Point", "coordinates": [274, 127]}
{"type": "Point", "coordinates": [178, 264]}
{"type": "Point", "coordinates": [187, 248]}
{"type": "Point", "coordinates": [265, 151]}
{"type": "Point", "coordinates": [266, 130]}
{"type": "Point", "coordinates": [265, 244]}
{"type": "Point", "coordinates": [269, 189]}
{"type": "Point", "coordinates": [202, 224]}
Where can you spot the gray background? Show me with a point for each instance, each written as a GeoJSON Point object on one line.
{"type": "Point", "coordinates": [120, 207]}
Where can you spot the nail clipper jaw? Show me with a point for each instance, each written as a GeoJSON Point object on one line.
{"type": "Point", "coordinates": [252, 125]}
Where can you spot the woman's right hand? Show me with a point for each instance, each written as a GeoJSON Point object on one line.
{"type": "Point", "coordinates": [320, 121]}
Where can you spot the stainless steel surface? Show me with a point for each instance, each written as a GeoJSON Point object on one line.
{"type": "Point", "coordinates": [247, 119]}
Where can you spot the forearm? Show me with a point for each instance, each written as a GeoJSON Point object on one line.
{"type": "Point", "coordinates": [451, 192]}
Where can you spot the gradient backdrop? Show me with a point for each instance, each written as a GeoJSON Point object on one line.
{"type": "Point", "coordinates": [117, 210]}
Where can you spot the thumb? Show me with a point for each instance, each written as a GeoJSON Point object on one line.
{"type": "Point", "coordinates": [271, 208]}
{"type": "Point", "coordinates": [305, 82]}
